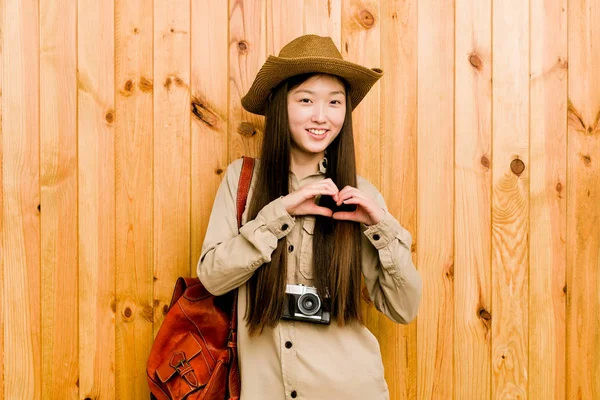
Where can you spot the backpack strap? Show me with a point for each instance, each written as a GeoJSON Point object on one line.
{"type": "Point", "coordinates": [242, 197]}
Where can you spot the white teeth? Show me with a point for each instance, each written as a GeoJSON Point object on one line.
{"type": "Point", "coordinates": [317, 131]}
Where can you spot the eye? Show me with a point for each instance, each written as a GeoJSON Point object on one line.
{"type": "Point", "coordinates": [336, 102]}
{"type": "Point", "coordinates": [305, 101]}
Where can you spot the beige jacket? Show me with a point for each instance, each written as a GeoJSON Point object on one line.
{"type": "Point", "coordinates": [299, 360]}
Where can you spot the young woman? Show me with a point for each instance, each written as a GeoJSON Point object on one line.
{"type": "Point", "coordinates": [286, 349]}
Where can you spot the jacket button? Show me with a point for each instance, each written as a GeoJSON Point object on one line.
{"type": "Point", "coordinates": [293, 394]}
{"type": "Point", "coordinates": [291, 248]}
{"type": "Point", "coordinates": [288, 344]}
{"type": "Point", "coordinates": [376, 237]}
{"type": "Point", "coordinates": [284, 227]}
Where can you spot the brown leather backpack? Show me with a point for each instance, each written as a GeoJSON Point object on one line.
{"type": "Point", "coordinates": [194, 355]}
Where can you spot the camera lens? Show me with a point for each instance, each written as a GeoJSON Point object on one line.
{"type": "Point", "coordinates": [309, 304]}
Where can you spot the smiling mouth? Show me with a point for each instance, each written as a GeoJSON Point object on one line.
{"type": "Point", "coordinates": [318, 132]}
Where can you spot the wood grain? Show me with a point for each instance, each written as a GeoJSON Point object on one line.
{"type": "Point", "coordinates": [324, 18]}
{"type": "Point", "coordinates": [361, 35]}
{"type": "Point", "coordinates": [247, 53]}
{"type": "Point", "coordinates": [171, 150]}
{"type": "Point", "coordinates": [583, 193]}
{"type": "Point", "coordinates": [547, 232]}
{"type": "Point", "coordinates": [21, 198]}
{"type": "Point", "coordinates": [473, 312]}
{"type": "Point", "coordinates": [398, 104]}
{"type": "Point", "coordinates": [2, 24]}
{"type": "Point", "coordinates": [284, 23]}
{"type": "Point", "coordinates": [510, 202]}
{"type": "Point", "coordinates": [58, 184]}
{"type": "Point", "coordinates": [209, 113]}
{"type": "Point", "coordinates": [96, 198]}
{"type": "Point", "coordinates": [134, 195]}
{"type": "Point", "coordinates": [435, 198]}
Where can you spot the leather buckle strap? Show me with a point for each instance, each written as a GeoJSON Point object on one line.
{"type": "Point", "coordinates": [183, 368]}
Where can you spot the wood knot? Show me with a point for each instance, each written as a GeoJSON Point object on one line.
{"type": "Point", "coordinates": [39, 208]}
{"type": "Point", "coordinates": [113, 305]}
{"type": "Point", "coordinates": [366, 19]}
{"type": "Point", "coordinates": [127, 312]}
{"type": "Point", "coordinates": [484, 314]}
{"type": "Point", "coordinates": [565, 289]}
{"type": "Point", "coordinates": [559, 187]}
{"type": "Point", "coordinates": [587, 160]}
{"type": "Point", "coordinates": [179, 81]}
{"type": "Point", "coordinates": [413, 248]}
{"type": "Point", "coordinates": [136, 30]}
{"type": "Point", "coordinates": [218, 171]}
{"type": "Point", "coordinates": [109, 117]}
{"type": "Point", "coordinates": [127, 89]}
{"type": "Point", "coordinates": [168, 83]}
{"type": "Point", "coordinates": [165, 309]}
{"type": "Point", "coordinates": [243, 47]}
{"type": "Point", "coordinates": [562, 63]}
{"type": "Point", "coordinates": [145, 85]}
{"type": "Point", "coordinates": [476, 62]}
{"type": "Point", "coordinates": [172, 30]}
{"type": "Point", "coordinates": [450, 272]}
{"type": "Point", "coordinates": [246, 129]}
{"type": "Point", "coordinates": [485, 161]}
{"type": "Point", "coordinates": [148, 314]}
{"type": "Point", "coordinates": [203, 113]}
{"type": "Point", "coordinates": [517, 166]}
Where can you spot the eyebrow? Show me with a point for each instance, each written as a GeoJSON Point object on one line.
{"type": "Point", "coordinates": [311, 92]}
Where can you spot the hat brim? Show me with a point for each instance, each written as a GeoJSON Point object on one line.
{"type": "Point", "coordinates": [277, 69]}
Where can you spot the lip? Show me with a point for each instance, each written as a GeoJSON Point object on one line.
{"type": "Point", "coordinates": [318, 137]}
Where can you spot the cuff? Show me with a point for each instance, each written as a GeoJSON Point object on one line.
{"type": "Point", "coordinates": [386, 230]}
{"type": "Point", "coordinates": [277, 219]}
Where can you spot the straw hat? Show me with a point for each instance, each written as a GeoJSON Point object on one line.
{"type": "Point", "coordinates": [307, 54]}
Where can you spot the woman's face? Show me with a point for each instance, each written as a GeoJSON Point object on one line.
{"type": "Point", "coordinates": [316, 112]}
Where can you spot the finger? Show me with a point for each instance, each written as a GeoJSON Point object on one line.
{"type": "Point", "coordinates": [346, 216]}
{"type": "Point", "coordinates": [314, 209]}
{"type": "Point", "coordinates": [347, 192]}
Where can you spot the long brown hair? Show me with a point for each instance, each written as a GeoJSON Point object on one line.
{"type": "Point", "coordinates": [336, 244]}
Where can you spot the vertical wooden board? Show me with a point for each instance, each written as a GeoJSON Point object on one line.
{"type": "Point", "coordinates": [435, 198]}
{"type": "Point", "coordinates": [284, 23]}
{"type": "Point", "coordinates": [209, 112]}
{"type": "Point", "coordinates": [2, 24]}
{"type": "Point", "coordinates": [172, 150]}
{"type": "Point", "coordinates": [361, 34]}
{"type": "Point", "coordinates": [21, 198]}
{"type": "Point", "coordinates": [473, 176]}
{"type": "Point", "coordinates": [247, 53]}
{"type": "Point", "coordinates": [583, 194]}
{"type": "Point", "coordinates": [324, 19]}
{"type": "Point", "coordinates": [399, 172]}
{"type": "Point", "coordinates": [510, 198]}
{"type": "Point", "coordinates": [96, 193]}
{"type": "Point", "coordinates": [58, 182]}
{"type": "Point", "coordinates": [547, 231]}
{"type": "Point", "coordinates": [134, 196]}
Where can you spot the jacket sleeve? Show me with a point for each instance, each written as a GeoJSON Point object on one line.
{"type": "Point", "coordinates": [230, 258]}
{"type": "Point", "coordinates": [392, 280]}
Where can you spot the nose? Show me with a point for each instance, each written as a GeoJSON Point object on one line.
{"type": "Point", "coordinates": [319, 114]}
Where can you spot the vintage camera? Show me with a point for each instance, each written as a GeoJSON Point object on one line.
{"type": "Point", "coordinates": [302, 303]}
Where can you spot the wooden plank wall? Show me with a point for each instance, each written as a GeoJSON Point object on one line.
{"type": "Point", "coordinates": [118, 119]}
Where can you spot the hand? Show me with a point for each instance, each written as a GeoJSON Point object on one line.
{"type": "Point", "coordinates": [367, 211]}
{"type": "Point", "coordinates": [302, 201]}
